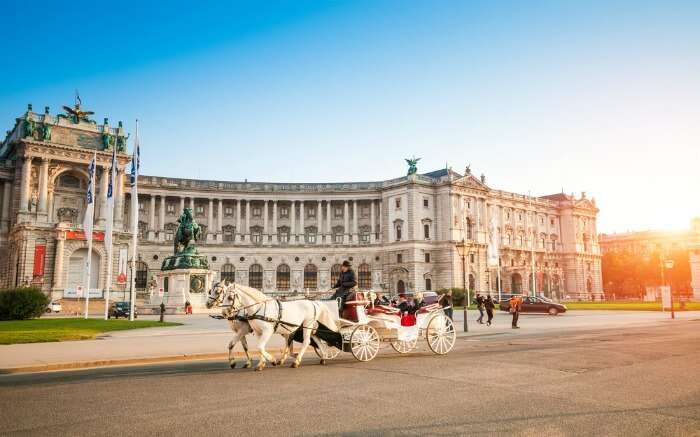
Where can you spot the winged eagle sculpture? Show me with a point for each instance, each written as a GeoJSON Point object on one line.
{"type": "Point", "coordinates": [76, 112]}
{"type": "Point", "coordinates": [412, 168]}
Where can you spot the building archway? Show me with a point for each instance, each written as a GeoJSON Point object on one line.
{"type": "Point", "coordinates": [400, 286]}
{"type": "Point", "coordinates": [77, 264]}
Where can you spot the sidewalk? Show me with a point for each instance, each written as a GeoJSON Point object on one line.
{"type": "Point", "coordinates": [201, 337]}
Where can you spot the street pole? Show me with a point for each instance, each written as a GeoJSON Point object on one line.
{"type": "Point", "coordinates": [466, 286]}
{"type": "Point", "coordinates": [668, 264]}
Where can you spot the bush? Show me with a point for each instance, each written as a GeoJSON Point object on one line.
{"type": "Point", "coordinates": [22, 303]}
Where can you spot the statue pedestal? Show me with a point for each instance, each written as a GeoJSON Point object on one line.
{"type": "Point", "coordinates": [180, 286]}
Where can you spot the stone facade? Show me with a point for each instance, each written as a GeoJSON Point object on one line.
{"type": "Point", "coordinates": [402, 233]}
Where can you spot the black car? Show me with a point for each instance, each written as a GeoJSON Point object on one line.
{"type": "Point", "coordinates": [533, 304]}
{"type": "Point", "coordinates": [120, 309]}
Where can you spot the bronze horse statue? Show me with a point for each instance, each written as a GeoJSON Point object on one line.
{"type": "Point", "coordinates": [187, 232]}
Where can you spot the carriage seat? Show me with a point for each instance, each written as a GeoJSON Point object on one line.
{"type": "Point", "coordinates": [383, 309]}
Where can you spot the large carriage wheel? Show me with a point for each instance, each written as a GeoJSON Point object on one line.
{"type": "Point", "coordinates": [440, 334]}
{"type": "Point", "coordinates": [364, 343]}
{"type": "Point", "coordinates": [330, 352]}
{"type": "Point", "coordinates": [404, 346]}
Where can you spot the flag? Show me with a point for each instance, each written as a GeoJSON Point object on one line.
{"type": "Point", "coordinates": [113, 169]}
{"type": "Point", "coordinates": [494, 238]}
{"type": "Point", "coordinates": [90, 206]}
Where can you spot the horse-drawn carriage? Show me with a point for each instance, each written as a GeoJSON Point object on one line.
{"type": "Point", "coordinates": [360, 329]}
{"type": "Point", "coordinates": [364, 326]}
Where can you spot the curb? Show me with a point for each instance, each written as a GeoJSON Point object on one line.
{"type": "Point", "coordinates": [124, 362]}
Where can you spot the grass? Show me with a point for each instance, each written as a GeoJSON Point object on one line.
{"type": "Point", "coordinates": [629, 306]}
{"type": "Point", "coordinates": [59, 329]}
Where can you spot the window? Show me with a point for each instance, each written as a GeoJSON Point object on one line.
{"type": "Point", "coordinates": [542, 243]}
{"type": "Point", "coordinates": [364, 212]}
{"type": "Point", "coordinates": [310, 234]}
{"type": "Point", "coordinates": [69, 181]}
{"type": "Point", "coordinates": [508, 215]}
{"type": "Point", "coordinates": [427, 257]}
{"type": "Point", "coordinates": [199, 210]}
{"type": "Point", "coordinates": [509, 239]}
{"type": "Point", "coordinates": [283, 234]}
{"type": "Point", "coordinates": [169, 235]}
{"type": "Point", "coordinates": [255, 276]}
{"type": "Point", "coordinates": [229, 232]}
{"type": "Point", "coordinates": [398, 225]}
{"type": "Point", "coordinates": [520, 217]}
{"type": "Point", "coordinates": [469, 229]}
{"type": "Point", "coordinates": [551, 222]}
{"type": "Point", "coordinates": [471, 258]}
{"type": "Point", "coordinates": [335, 273]}
{"type": "Point", "coordinates": [364, 276]}
{"type": "Point", "coordinates": [338, 212]}
{"type": "Point", "coordinates": [142, 206]}
{"type": "Point", "coordinates": [170, 208]}
{"type": "Point", "coordinates": [520, 240]}
{"type": "Point", "coordinates": [364, 234]}
{"type": "Point", "coordinates": [228, 273]}
{"type": "Point", "coordinates": [141, 275]}
{"type": "Point", "coordinates": [283, 277]}
{"type": "Point", "coordinates": [337, 234]}
{"type": "Point", "coordinates": [228, 211]}
{"type": "Point", "coordinates": [310, 277]}
{"type": "Point", "coordinates": [428, 284]}
{"type": "Point", "coordinates": [426, 202]}
{"type": "Point", "coordinates": [257, 211]}
{"type": "Point", "coordinates": [541, 220]}
{"type": "Point", "coordinates": [311, 213]}
{"type": "Point", "coordinates": [398, 203]}
{"type": "Point", "coordinates": [469, 204]}
{"type": "Point", "coordinates": [426, 231]}
{"type": "Point", "coordinates": [256, 235]}
{"type": "Point", "coordinates": [399, 258]}
{"type": "Point", "coordinates": [284, 212]}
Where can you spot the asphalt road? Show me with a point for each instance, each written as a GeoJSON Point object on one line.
{"type": "Point", "coordinates": [636, 381]}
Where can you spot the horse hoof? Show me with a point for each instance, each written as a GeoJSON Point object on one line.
{"type": "Point", "coordinates": [323, 362]}
{"type": "Point", "coordinates": [248, 365]}
{"type": "Point", "coordinates": [295, 365]}
{"type": "Point", "coordinates": [274, 363]}
{"type": "Point", "coordinates": [233, 365]}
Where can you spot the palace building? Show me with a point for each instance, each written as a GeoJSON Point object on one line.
{"type": "Point", "coordinates": [419, 232]}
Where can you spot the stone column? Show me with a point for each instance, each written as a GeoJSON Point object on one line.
{"type": "Point", "coordinates": [293, 214]}
{"type": "Point", "coordinates": [104, 185]}
{"type": "Point", "coordinates": [6, 192]}
{"type": "Point", "coordinates": [319, 217]}
{"type": "Point", "coordinates": [355, 238]}
{"type": "Point", "coordinates": [220, 217]}
{"type": "Point", "coordinates": [266, 231]}
{"type": "Point", "coordinates": [43, 188]}
{"type": "Point", "coordinates": [246, 235]}
{"type": "Point", "coordinates": [182, 206]}
{"type": "Point", "coordinates": [372, 235]}
{"type": "Point", "coordinates": [161, 224]}
{"type": "Point", "coordinates": [274, 221]}
{"type": "Point", "coordinates": [152, 219]}
{"type": "Point", "coordinates": [238, 217]}
{"type": "Point", "coordinates": [58, 261]}
{"type": "Point", "coordinates": [302, 232]}
{"type": "Point", "coordinates": [25, 185]}
{"type": "Point", "coordinates": [192, 205]}
{"type": "Point", "coordinates": [380, 231]}
{"type": "Point", "coordinates": [328, 220]}
{"type": "Point", "coordinates": [346, 230]}
{"type": "Point", "coordinates": [211, 231]}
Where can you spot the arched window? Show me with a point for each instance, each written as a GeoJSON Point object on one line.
{"type": "Point", "coordinates": [428, 284]}
{"type": "Point", "coordinates": [282, 277]}
{"type": "Point", "coordinates": [229, 232]}
{"type": "Point", "coordinates": [400, 287]}
{"type": "Point", "coordinates": [426, 231]}
{"type": "Point", "coordinates": [364, 276]}
{"type": "Point", "coordinates": [509, 239]}
{"type": "Point", "coordinates": [310, 277]}
{"type": "Point", "coordinates": [335, 273]}
{"type": "Point", "coordinates": [255, 276]}
{"type": "Point", "coordinates": [398, 231]}
{"type": "Point", "coordinates": [469, 229]}
{"type": "Point", "coordinates": [141, 275]}
{"type": "Point", "coordinates": [228, 273]}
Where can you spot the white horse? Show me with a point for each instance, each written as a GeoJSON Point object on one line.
{"type": "Point", "coordinates": [240, 328]}
{"type": "Point", "coordinates": [266, 316]}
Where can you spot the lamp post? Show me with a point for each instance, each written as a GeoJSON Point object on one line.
{"type": "Point", "coordinates": [668, 265]}
{"type": "Point", "coordinates": [462, 250]}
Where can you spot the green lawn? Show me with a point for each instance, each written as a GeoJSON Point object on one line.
{"type": "Point", "coordinates": [629, 306]}
{"type": "Point", "coordinates": [59, 329]}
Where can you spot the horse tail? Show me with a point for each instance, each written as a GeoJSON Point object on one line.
{"type": "Point", "coordinates": [326, 318]}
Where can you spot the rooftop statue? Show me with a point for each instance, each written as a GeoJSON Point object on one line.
{"type": "Point", "coordinates": [412, 168]}
{"type": "Point", "coordinates": [76, 113]}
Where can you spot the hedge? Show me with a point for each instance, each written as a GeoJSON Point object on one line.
{"type": "Point", "coordinates": [22, 303]}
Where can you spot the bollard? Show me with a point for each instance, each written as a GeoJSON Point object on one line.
{"type": "Point", "coordinates": [162, 312]}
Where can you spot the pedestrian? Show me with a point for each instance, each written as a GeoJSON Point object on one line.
{"type": "Point", "coordinates": [446, 302]}
{"type": "Point", "coordinates": [480, 306]}
{"type": "Point", "coordinates": [489, 305]}
{"type": "Point", "coordinates": [515, 304]}
{"type": "Point", "coordinates": [188, 307]}
{"type": "Point", "coordinates": [162, 312]}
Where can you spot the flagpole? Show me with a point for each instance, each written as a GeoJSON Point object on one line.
{"type": "Point", "coordinates": [134, 219]}
{"type": "Point", "coordinates": [532, 248]}
{"type": "Point", "coordinates": [109, 226]}
{"type": "Point", "coordinates": [87, 227]}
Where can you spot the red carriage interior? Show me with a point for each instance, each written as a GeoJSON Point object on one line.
{"type": "Point", "coordinates": [360, 301]}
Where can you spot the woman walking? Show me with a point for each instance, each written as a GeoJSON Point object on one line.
{"type": "Point", "coordinates": [489, 305]}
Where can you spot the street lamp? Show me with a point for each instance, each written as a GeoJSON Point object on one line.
{"type": "Point", "coordinates": [462, 250]}
{"type": "Point", "coordinates": [668, 265]}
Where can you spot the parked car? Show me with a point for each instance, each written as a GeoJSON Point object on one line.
{"type": "Point", "coordinates": [533, 304]}
{"type": "Point", "coordinates": [54, 307]}
{"type": "Point", "coordinates": [120, 309]}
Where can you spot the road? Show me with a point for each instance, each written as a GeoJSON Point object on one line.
{"type": "Point", "coordinates": [623, 381]}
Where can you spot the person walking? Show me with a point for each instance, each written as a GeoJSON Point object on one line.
{"type": "Point", "coordinates": [480, 306]}
{"type": "Point", "coordinates": [515, 304]}
{"type": "Point", "coordinates": [446, 303]}
{"type": "Point", "coordinates": [489, 305]}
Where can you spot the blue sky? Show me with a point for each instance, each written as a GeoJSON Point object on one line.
{"type": "Point", "coordinates": [602, 97]}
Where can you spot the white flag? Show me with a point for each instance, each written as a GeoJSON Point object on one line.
{"type": "Point", "coordinates": [113, 169]}
{"type": "Point", "coordinates": [494, 242]}
{"type": "Point", "coordinates": [90, 206]}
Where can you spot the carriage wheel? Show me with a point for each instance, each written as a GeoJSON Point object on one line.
{"type": "Point", "coordinates": [330, 352]}
{"type": "Point", "coordinates": [440, 334]}
{"type": "Point", "coordinates": [364, 343]}
{"type": "Point", "coordinates": [404, 346]}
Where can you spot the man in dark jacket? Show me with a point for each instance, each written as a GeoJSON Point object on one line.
{"type": "Point", "coordinates": [345, 282]}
